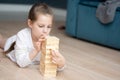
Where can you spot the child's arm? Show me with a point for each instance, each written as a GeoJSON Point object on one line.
{"type": "Point", "coordinates": [22, 49]}
{"type": "Point", "coordinates": [23, 56]}
{"type": "Point", "coordinates": [33, 54]}
{"type": "Point", "coordinates": [35, 51]}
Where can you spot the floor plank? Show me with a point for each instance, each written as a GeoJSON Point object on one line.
{"type": "Point", "coordinates": [84, 60]}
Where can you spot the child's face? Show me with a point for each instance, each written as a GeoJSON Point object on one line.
{"type": "Point", "coordinates": [41, 27]}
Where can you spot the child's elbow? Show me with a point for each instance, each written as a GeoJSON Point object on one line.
{"type": "Point", "coordinates": [21, 64]}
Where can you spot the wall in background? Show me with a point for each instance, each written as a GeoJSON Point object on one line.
{"type": "Point", "coordinates": [54, 3]}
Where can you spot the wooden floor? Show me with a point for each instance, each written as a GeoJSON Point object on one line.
{"type": "Point", "coordinates": [85, 61]}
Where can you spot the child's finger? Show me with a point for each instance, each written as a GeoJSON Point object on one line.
{"type": "Point", "coordinates": [57, 53]}
{"type": "Point", "coordinates": [41, 40]}
{"type": "Point", "coordinates": [54, 61]}
{"type": "Point", "coordinates": [54, 54]}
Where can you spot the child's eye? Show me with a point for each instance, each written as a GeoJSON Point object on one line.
{"type": "Point", "coordinates": [49, 26]}
{"type": "Point", "coordinates": [41, 26]}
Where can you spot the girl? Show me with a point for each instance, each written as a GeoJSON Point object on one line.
{"type": "Point", "coordinates": [27, 42]}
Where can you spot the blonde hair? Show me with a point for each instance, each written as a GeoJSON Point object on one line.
{"type": "Point", "coordinates": [39, 8]}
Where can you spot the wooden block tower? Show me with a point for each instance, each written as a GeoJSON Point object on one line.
{"type": "Point", "coordinates": [47, 67]}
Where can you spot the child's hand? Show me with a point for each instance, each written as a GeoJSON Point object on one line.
{"type": "Point", "coordinates": [38, 43]}
{"type": "Point", "coordinates": [37, 46]}
{"type": "Point", "coordinates": [58, 59]}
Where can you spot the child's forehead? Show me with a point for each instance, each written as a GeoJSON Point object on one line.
{"type": "Point", "coordinates": [44, 19]}
{"type": "Point", "coordinates": [42, 16]}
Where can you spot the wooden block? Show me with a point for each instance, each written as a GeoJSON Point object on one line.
{"type": "Point", "coordinates": [47, 68]}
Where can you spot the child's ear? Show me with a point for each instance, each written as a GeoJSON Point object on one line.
{"type": "Point", "coordinates": [29, 22]}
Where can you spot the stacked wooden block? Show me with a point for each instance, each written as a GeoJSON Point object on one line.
{"type": "Point", "coordinates": [47, 67]}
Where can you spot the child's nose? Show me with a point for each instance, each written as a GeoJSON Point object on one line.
{"type": "Point", "coordinates": [45, 30]}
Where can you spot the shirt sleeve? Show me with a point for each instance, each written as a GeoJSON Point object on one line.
{"type": "Point", "coordinates": [21, 51]}
{"type": "Point", "coordinates": [9, 42]}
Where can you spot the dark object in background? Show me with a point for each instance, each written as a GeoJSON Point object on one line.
{"type": "Point", "coordinates": [54, 3]}
{"type": "Point", "coordinates": [94, 0]}
{"type": "Point", "coordinates": [62, 27]}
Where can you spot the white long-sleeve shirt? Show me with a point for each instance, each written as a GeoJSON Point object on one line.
{"type": "Point", "coordinates": [23, 48]}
